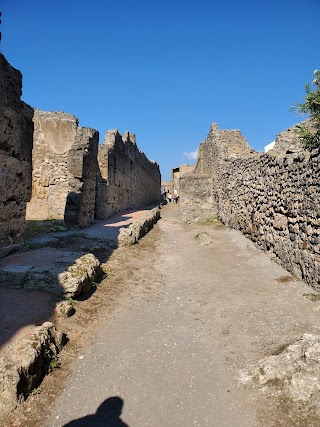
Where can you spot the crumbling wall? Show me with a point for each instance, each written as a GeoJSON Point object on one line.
{"type": "Point", "coordinates": [64, 169]}
{"type": "Point", "coordinates": [16, 129]}
{"type": "Point", "coordinates": [221, 145]}
{"type": "Point", "coordinates": [198, 198]}
{"type": "Point", "coordinates": [289, 138]}
{"type": "Point", "coordinates": [272, 199]}
{"type": "Point", "coordinates": [127, 179]}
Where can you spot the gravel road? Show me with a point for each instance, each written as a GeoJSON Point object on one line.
{"type": "Point", "coordinates": [199, 303]}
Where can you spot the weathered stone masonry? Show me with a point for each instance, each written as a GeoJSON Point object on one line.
{"type": "Point", "coordinates": [47, 157]}
{"type": "Point", "coordinates": [127, 178]}
{"type": "Point", "coordinates": [64, 169]}
{"type": "Point", "coordinates": [272, 198]}
{"type": "Point", "coordinates": [16, 128]}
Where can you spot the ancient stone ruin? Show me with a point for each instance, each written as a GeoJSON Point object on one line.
{"type": "Point", "coordinates": [127, 179]}
{"type": "Point", "coordinates": [49, 153]}
{"type": "Point", "coordinates": [16, 129]}
{"type": "Point", "coordinates": [177, 173]}
{"type": "Point", "coordinates": [273, 198]}
{"type": "Point", "coordinates": [64, 170]}
{"type": "Point", "coordinates": [49, 170]}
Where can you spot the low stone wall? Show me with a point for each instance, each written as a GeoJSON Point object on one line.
{"type": "Point", "coordinates": [272, 199]}
{"type": "Point", "coordinates": [24, 364]}
{"type": "Point", "coordinates": [130, 235]}
{"type": "Point", "coordinates": [64, 169]}
{"type": "Point", "coordinates": [16, 129]}
{"type": "Point", "coordinates": [127, 178]}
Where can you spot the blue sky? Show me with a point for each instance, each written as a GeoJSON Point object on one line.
{"type": "Point", "coordinates": [166, 69]}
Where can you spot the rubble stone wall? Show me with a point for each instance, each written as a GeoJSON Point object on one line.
{"type": "Point", "coordinates": [273, 199]}
{"type": "Point", "coordinates": [16, 129]}
{"type": "Point", "coordinates": [290, 138]}
{"type": "Point", "coordinates": [64, 169]}
{"type": "Point", "coordinates": [127, 179]}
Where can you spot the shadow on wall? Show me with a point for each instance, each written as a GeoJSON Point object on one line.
{"type": "Point", "coordinates": [107, 415]}
{"type": "Point", "coordinates": [72, 209]}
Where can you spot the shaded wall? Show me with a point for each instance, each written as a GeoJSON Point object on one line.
{"type": "Point", "coordinates": [127, 179]}
{"type": "Point", "coordinates": [16, 129]}
{"type": "Point", "coordinates": [272, 198]}
{"type": "Point", "coordinates": [64, 169]}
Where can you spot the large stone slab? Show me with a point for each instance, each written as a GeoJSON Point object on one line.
{"type": "Point", "coordinates": [63, 273]}
{"type": "Point", "coordinates": [130, 235]}
{"type": "Point", "coordinates": [295, 371]}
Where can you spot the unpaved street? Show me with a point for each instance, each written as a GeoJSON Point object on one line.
{"type": "Point", "coordinates": [190, 315]}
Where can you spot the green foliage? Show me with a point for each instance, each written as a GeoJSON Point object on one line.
{"type": "Point", "coordinates": [310, 138]}
{"type": "Point", "coordinates": [212, 220]}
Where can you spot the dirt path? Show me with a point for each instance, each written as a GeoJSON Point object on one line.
{"type": "Point", "coordinates": [170, 330]}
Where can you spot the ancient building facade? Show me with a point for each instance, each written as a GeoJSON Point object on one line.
{"type": "Point", "coordinates": [127, 179]}
{"type": "Point", "coordinates": [64, 171]}
{"type": "Point", "coordinates": [176, 174]}
{"type": "Point", "coordinates": [272, 198]}
{"type": "Point", "coordinates": [16, 128]}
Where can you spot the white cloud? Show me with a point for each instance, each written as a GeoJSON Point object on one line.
{"type": "Point", "coordinates": [192, 155]}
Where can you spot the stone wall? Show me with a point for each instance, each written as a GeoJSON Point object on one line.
{"type": "Point", "coordinates": [127, 178]}
{"type": "Point", "coordinates": [196, 197]}
{"type": "Point", "coordinates": [16, 129]}
{"type": "Point", "coordinates": [64, 169]}
{"type": "Point", "coordinates": [289, 138]}
{"type": "Point", "coordinates": [223, 145]}
{"type": "Point", "coordinates": [176, 174]}
{"type": "Point", "coordinates": [272, 199]}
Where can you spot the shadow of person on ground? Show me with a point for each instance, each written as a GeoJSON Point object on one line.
{"type": "Point", "coordinates": [107, 415]}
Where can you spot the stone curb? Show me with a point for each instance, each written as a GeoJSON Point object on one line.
{"type": "Point", "coordinates": [24, 364]}
{"type": "Point", "coordinates": [67, 278]}
{"type": "Point", "coordinates": [130, 235]}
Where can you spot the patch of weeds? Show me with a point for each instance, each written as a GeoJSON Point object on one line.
{"type": "Point", "coordinates": [212, 220]}
{"type": "Point", "coordinates": [35, 391]}
{"type": "Point", "coordinates": [312, 297]}
{"type": "Point", "coordinates": [30, 246]}
{"type": "Point", "coordinates": [47, 353]}
{"type": "Point", "coordinates": [69, 300]}
{"type": "Point", "coordinates": [285, 279]}
{"type": "Point", "coordinates": [107, 272]}
{"type": "Point", "coordinates": [54, 364]}
{"type": "Point", "coordinates": [45, 226]}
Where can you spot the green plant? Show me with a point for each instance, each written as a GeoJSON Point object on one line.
{"type": "Point", "coordinates": [107, 272]}
{"type": "Point", "coordinates": [214, 219]}
{"type": "Point", "coordinates": [312, 297]}
{"type": "Point", "coordinates": [310, 138]}
{"type": "Point", "coordinates": [54, 364]}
